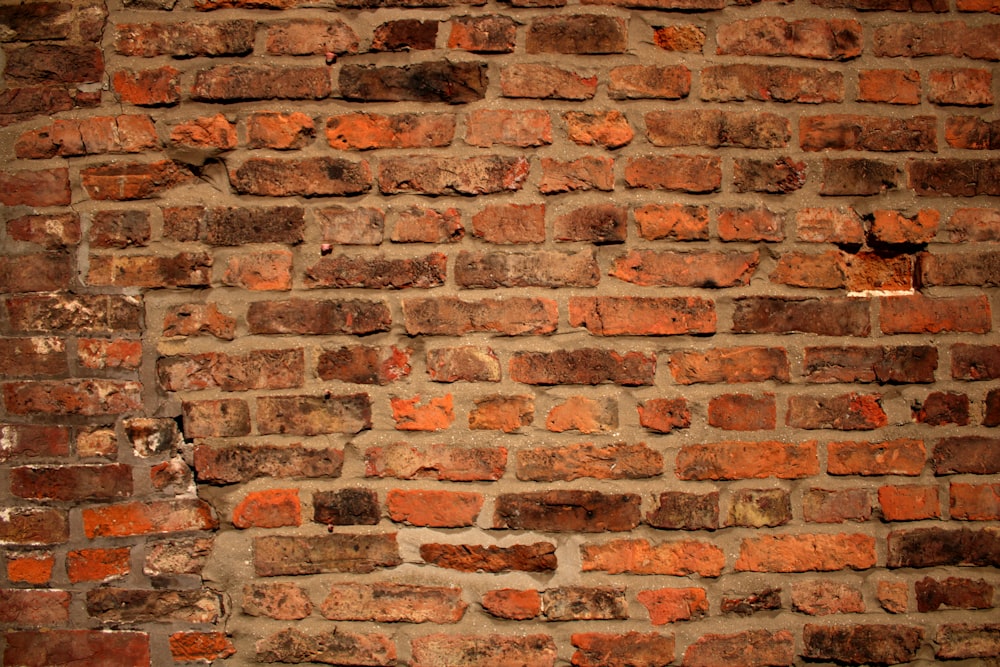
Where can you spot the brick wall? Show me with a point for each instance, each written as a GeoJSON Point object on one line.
{"type": "Point", "coordinates": [455, 332]}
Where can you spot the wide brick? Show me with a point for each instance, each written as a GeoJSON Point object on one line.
{"type": "Point", "coordinates": [743, 412]}
{"type": "Point", "coordinates": [306, 37]}
{"type": "Point", "coordinates": [484, 650]}
{"type": "Point", "coordinates": [583, 414]}
{"type": "Point", "coordinates": [764, 83]}
{"type": "Point", "coordinates": [502, 413]}
{"type": "Point", "coordinates": [483, 34]}
{"type": "Point", "coordinates": [609, 129]}
{"type": "Point", "coordinates": [233, 83]}
{"type": "Point", "coordinates": [261, 369]}
{"type": "Point", "coordinates": [822, 39]}
{"type": "Point", "coordinates": [922, 314]}
{"type": "Point", "coordinates": [299, 316]}
{"type": "Point", "coordinates": [29, 357]}
{"type": "Point", "coordinates": [485, 174]}
{"type": "Point", "coordinates": [133, 180]}
{"type": "Point", "coordinates": [450, 316]}
{"type": "Point", "coordinates": [889, 86]}
{"type": "Point", "coordinates": [539, 81]}
{"type": "Point", "coordinates": [364, 131]}
{"type": "Point", "coordinates": [272, 508]}
{"type": "Point", "coordinates": [627, 82]}
{"type": "Point", "coordinates": [747, 460]}
{"type": "Point", "coordinates": [620, 461]}
{"type": "Point", "coordinates": [200, 646]}
{"type": "Point", "coordinates": [953, 592]}
{"type": "Point", "coordinates": [510, 223]}
{"type": "Point", "coordinates": [97, 564]}
{"type": "Point", "coordinates": [261, 271]}
{"type": "Point", "coordinates": [393, 603]}
{"type": "Point", "coordinates": [182, 270]}
{"type": "Point", "coordinates": [49, 187]}
{"type": "Point", "coordinates": [377, 272]}
{"type": "Point", "coordinates": [223, 418]}
{"type": "Point", "coordinates": [862, 644]}
{"type": "Point", "coordinates": [891, 457]}
{"type": "Point", "coordinates": [677, 510]}
{"type": "Point", "coordinates": [515, 605]}
{"type": "Point", "coordinates": [150, 87]}
{"type": "Point", "coordinates": [977, 269]}
{"type": "Point", "coordinates": [72, 482]}
{"type": "Point", "coordinates": [43, 648]}
{"type": "Point", "coordinates": [333, 647]}
{"type": "Point", "coordinates": [177, 556]}
{"type": "Point", "coordinates": [567, 510]}
{"type": "Point", "coordinates": [32, 568]}
{"type": "Point", "coordinates": [119, 229]}
{"type": "Point", "coordinates": [974, 502]}
{"type": "Point", "coordinates": [577, 34]}
{"type": "Point", "coordinates": [436, 509]}
{"type": "Point", "coordinates": [909, 503]}
{"type": "Point", "coordinates": [185, 39]}
{"type": "Point", "coordinates": [636, 556]}
{"type": "Point", "coordinates": [233, 226]}
{"type": "Point", "coordinates": [651, 316]}
{"type": "Point", "coordinates": [967, 640]}
{"type": "Point", "coordinates": [836, 505]}
{"type": "Point", "coordinates": [579, 603]}
{"type": "Point", "coordinates": [597, 223]}
{"type": "Point", "coordinates": [280, 601]}
{"type": "Point", "coordinates": [31, 440]}
{"type": "Point", "coordinates": [858, 177]}
{"type": "Point", "coordinates": [780, 176]}
{"type": "Point", "coordinates": [37, 21]}
{"type": "Point", "coordinates": [208, 132]}
{"type": "Point", "coordinates": [536, 557]}
{"type": "Point", "coordinates": [405, 35]}
{"type": "Point", "coordinates": [90, 136]}
{"type": "Point", "coordinates": [954, 177]}
{"type": "Point", "coordinates": [806, 552]}
{"type": "Point", "coordinates": [87, 314]}
{"type": "Point", "coordinates": [148, 518]}
{"type": "Point", "coordinates": [583, 366]}
{"type": "Point", "coordinates": [586, 173]}
{"type": "Point", "coordinates": [934, 547]}
{"type": "Point", "coordinates": [715, 129]}
{"type": "Point", "coordinates": [440, 462]}
{"type": "Point", "coordinates": [437, 413]}
{"type": "Point", "coordinates": [308, 177]}
{"type": "Point", "coordinates": [280, 555]}
{"type": "Point", "coordinates": [124, 605]}
{"type": "Point", "coordinates": [314, 415]}
{"type": "Point", "coordinates": [867, 133]}
{"type": "Point", "coordinates": [830, 316]}
{"type": "Point", "coordinates": [351, 226]}
{"type": "Point", "coordinates": [670, 605]}
{"type": "Point", "coordinates": [663, 415]}
{"type": "Point", "coordinates": [697, 174]}
{"type": "Point", "coordinates": [364, 364]}
{"type": "Point", "coordinates": [281, 131]}
{"type": "Point", "coordinates": [751, 647]}
{"type": "Point", "coordinates": [54, 63]}
{"type": "Point", "coordinates": [50, 231]}
{"type": "Point", "coordinates": [827, 225]}
{"type": "Point", "coordinates": [466, 363]}
{"type": "Point", "coordinates": [538, 269]}
{"type": "Point", "coordinates": [347, 507]}
{"type": "Point", "coordinates": [675, 222]}
{"type": "Point", "coordinates": [27, 608]}
{"type": "Point", "coordinates": [730, 365]}
{"type": "Point", "coordinates": [435, 81]}
{"type": "Point", "coordinates": [72, 397]}
{"type": "Point", "coordinates": [926, 38]}
{"type": "Point", "coordinates": [693, 269]}
{"type": "Point", "coordinates": [418, 224]}
{"type": "Point", "coordinates": [972, 133]}
{"type": "Point", "coordinates": [844, 412]}
{"type": "Point", "coordinates": [598, 649]}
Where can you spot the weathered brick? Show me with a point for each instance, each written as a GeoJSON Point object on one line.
{"type": "Point", "coordinates": [261, 369]}
{"type": "Point", "coordinates": [909, 503]}
{"type": "Point", "coordinates": [861, 644]}
{"type": "Point", "coordinates": [280, 131]}
{"type": "Point", "coordinates": [830, 316]}
{"type": "Point", "coordinates": [177, 556]}
{"type": "Point", "coordinates": [310, 37]}
{"type": "Point", "coordinates": [148, 518]}
{"type": "Point", "coordinates": [579, 603]}
{"type": "Point", "coordinates": [663, 415]}
{"type": "Point", "coordinates": [29, 357]}
{"type": "Point", "coordinates": [577, 34]}
{"type": "Point", "coordinates": [412, 414]}
{"type": "Point", "coordinates": [515, 605]}
{"type": "Point", "coordinates": [437, 509]}
{"type": "Point", "coordinates": [417, 224]}
{"type": "Point", "coordinates": [40, 648]}
{"type": "Point", "coordinates": [823, 39]}
{"type": "Point", "coordinates": [133, 180]}
{"type": "Point", "coordinates": [571, 462]}
{"type": "Point", "coordinates": [609, 129]}
{"type": "Point", "coordinates": [54, 63]}
{"type": "Point", "coordinates": [405, 35]}
{"type": "Point", "coordinates": [825, 225]}
{"type": "Point", "coordinates": [280, 555]}
{"type": "Point", "coordinates": [221, 418]}
{"type": "Point", "coordinates": [715, 129]}
{"type": "Point", "coordinates": [922, 314]}
{"type": "Point", "coordinates": [889, 86]}
{"type": "Point", "coordinates": [182, 270]}
{"type": "Point", "coordinates": [72, 397]}
{"type": "Point", "coordinates": [49, 187]}
{"type": "Point", "coordinates": [364, 131]}
{"type": "Point", "coordinates": [972, 133]}
{"type": "Point", "coordinates": [502, 413]}
{"type": "Point", "coordinates": [72, 482]}
{"type": "Point", "coordinates": [618, 650]}
{"type": "Point", "coordinates": [539, 81]}
{"type": "Point", "coordinates": [691, 269]}
{"type": "Point", "coordinates": [836, 505]}
{"type": "Point", "coordinates": [754, 647]}
{"type": "Point", "coordinates": [933, 547]}
{"type": "Point", "coordinates": [845, 412]}
{"type": "Point", "coordinates": [452, 176]}
{"type": "Point", "coordinates": [333, 647]}
{"type": "Point", "coordinates": [435, 81]}
{"type": "Point", "coordinates": [232, 83]}
{"type": "Point", "coordinates": [941, 408]}
{"type": "Point", "coordinates": [465, 363]}
{"type": "Point", "coordinates": [185, 39]}
{"type": "Point", "coordinates": [678, 510]}
{"type": "Point", "coordinates": [759, 508]}
{"type": "Point", "coordinates": [314, 415]}
{"type": "Point", "coordinates": [806, 552]}
{"type": "Point", "coordinates": [449, 316]}
{"type": "Point", "coordinates": [273, 508]}
{"type": "Point", "coordinates": [730, 365]}
{"type": "Point", "coordinates": [583, 414]}
{"type": "Point", "coordinates": [440, 462]}
{"type": "Point", "coordinates": [567, 510]}
{"type": "Point", "coordinates": [195, 318]}
{"type": "Point", "coordinates": [308, 177]}
{"type": "Point", "coordinates": [697, 174]}
{"type": "Point", "coordinates": [741, 82]}
{"type": "Point", "coordinates": [670, 605]}
{"type": "Point", "coordinates": [377, 272]}
{"type": "Point", "coordinates": [974, 502]}
{"type": "Point", "coordinates": [598, 223]}
{"type": "Point", "coordinates": [97, 564]}
{"type": "Point", "coordinates": [628, 82]}
{"type": "Point", "coordinates": [200, 646]}
{"type": "Point", "coordinates": [867, 133]}
{"type": "Point", "coordinates": [895, 227]}
{"type": "Point", "coordinates": [638, 556]}
{"type": "Point", "coordinates": [780, 176]}
{"type": "Point", "coordinates": [966, 454]}
{"type": "Point", "coordinates": [954, 177]}
{"type": "Point", "coordinates": [586, 173]}
{"type": "Point", "coordinates": [484, 650]}
{"type": "Point", "coordinates": [953, 592]}
{"type": "Point", "coordinates": [347, 507]}
{"type": "Point", "coordinates": [90, 136]}
{"type": "Point", "coordinates": [119, 229]}
{"type": "Point", "coordinates": [747, 460]}
{"type": "Point", "coordinates": [536, 557]}
{"type": "Point", "coordinates": [302, 316]}
{"type": "Point", "coordinates": [510, 224]}
{"type": "Point", "coordinates": [28, 608]}
{"type": "Point", "coordinates": [651, 316]}
{"type": "Point", "coordinates": [50, 231]}
{"type": "Point", "coordinates": [483, 34]}
{"type": "Point", "coordinates": [743, 412]}
{"type": "Point", "coordinates": [539, 269]}
{"type": "Point", "coordinates": [351, 226]}
{"type": "Point", "coordinates": [150, 87]}
{"type": "Point", "coordinates": [208, 132]}
{"type": "Point", "coordinates": [858, 176]}
{"type": "Point", "coordinates": [393, 603]}
{"type": "Point", "coordinates": [583, 366]}
{"type": "Point", "coordinates": [893, 457]}
{"type": "Point", "coordinates": [675, 222]}
{"type": "Point", "coordinates": [280, 601]}
{"type": "Point", "coordinates": [364, 364]}
{"type": "Point", "coordinates": [32, 568]}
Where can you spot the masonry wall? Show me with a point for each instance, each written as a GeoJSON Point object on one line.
{"type": "Point", "coordinates": [444, 333]}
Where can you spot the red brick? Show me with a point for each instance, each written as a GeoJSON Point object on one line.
{"type": "Point", "coordinates": [72, 397]}
{"type": "Point", "coordinates": [547, 464]}
{"type": "Point", "coordinates": [759, 508]}
{"type": "Point", "coordinates": [483, 34]}
{"type": "Point", "coordinates": [310, 37]}
{"type": "Point", "coordinates": [743, 412]}
{"type": "Point", "coordinates": [32, 568]}
{"type": "Point", "coordinates": [133, 605]}
{"type": "Point", "coordinates": [315, 177]}
{"type": "Point", "coordinates": [510, 223]}
{"type": "Point", "coordinates": [932, 547]}
{"type": "Point", "coordinates": [885, 365]}
{"type": "Point", "coordinates": [183, 270]}
{"type": "Point", "coordinates": [466, 363]}
{"type": "Point", "coordinates": [635, 556]}
{"type": "Point", "coordinates": [512, 604]}
{"type": "Point", "coordinates": [537, 557]}
{"type": "Point", "coordinates": [663, 415]}
{"type": "Point", "coordinates": [975, 502]}
{"type": "Point", "coordinates": [750, 224]}
{"type": "Point", "coordinates": [697, 174]}
{"type": "Point", "coordinates": [149, 87]}
{"type": "Point", "coordinates": [30, 440]}
{"type": "Point", "coordinates": [830, 316]}
{"type": "Point", "coordinates": [825, 225]}
{"type": "Point", "coordinates": [90, 136]}
{"type": "Point", "coordinates": [683, 37]}
{"type": "Point", "coordinates": [434, 81]}
{"type": "Point", "coordinates": [484, 650]}
{"type": "Point", "coordinates": [98, 564]}
{"type": "Point", "coordinates": [280, 601]}
{"type": "Point", "coordinates": [609, 129]}
{"type": "Point", "coordinates": [823, 39]}
{"type": "Point", "coordinates": [314, 415]}
{"type": "Point", "coordinates": [440, 462]}
{"type": "Point", "coordinates": [676, 222]}
{"type": "Point", "coordinates": [376, 272]}
{"type": "Point", "coordinates": [119, 229]}
{"type": "Point", "coordinates": [894, 227]}
{"type": "Point", "coordinates": [690, 269]}
{"type": "Point", "coordinates": [207, 132]}
{"type": "Point", "coordinates": [747, 460]}
{"type": "Point", "coordinates": [54, 63]}
{"type": "Point", "coordinates": [405, 35]}
{"type": "Point", "coordinates": [874, 273]}
{"type": "Point", "coordinates": [845, 412]}
{"type": "Point", "coordinates": [300, 316]}
{"type": "Point", "coordinates": [597, 223]}
{"type": "Point", "coordinates": [751, 647]}
{"type": "Point", "coordinates": [669, 605]}
{"type": "Point", "coordinates": [52, 232]}
{"type": "Point", "coordinates": [261, 369]}
{"type": "Point", "coordinates": [977, 269]}
{"type": "Point", "coordinates": [337, 646]}
{"type": "Point", "coordinates": [975, 362]}
{"type": "Point", "coordinates": [200, 646]}
{"type": "Point", "coordinates": [540, 81]}
{"type": "Point", "coordinates": [977, 455]}
{"type": "Point", "coordinates": [279, 555]}
{"type": "Point", "coordinates": [393, 603]}
{"type": "Point", "coordinates": [925, 38]}
{"type": "Point", "coordinates": [502, 413]}
{"type": "Point", "coordinates": [29, 357]}
{"type": "Point", "coordinates": [364, 364]}
{"type": "Point", "coordinates": [149, 518]}
{"type": "Point", "coordinates": [824, 597]}
{"type": "Point", "coordinates": [90, 314]}
{"type": "Point", "coordinates": [765, 83]}
{"type": "Point", "coordinates": [921, 314]}
{"type": "Point", "coordinates": [806, 552]}
{"type": "Point", "coordinates": [836, 505]}
{"type": "Point", "coordinates": [714, 129]}
{"type": "Point", "coordinates": [539, 269]}
{"type": "Point", "coordinates": [43, 648]}
{"type": "Point", "coordinates": [273, 508]}
{"type": "Point", "coordinates": [650, 316]}
{"type": "Point", "coordinates": [909, 503]}
{"type": "Point", "coordinates": [450, 316]}
{"type": "Point", "coordinates": [220, 418]}
{"type": "Point", "coordinates": [437, 414]}
{"type": "Point", "coordinates": [628, 82]}
{"type": "Point", "coordinates": [133, 180]}
{"type": "Point", "coordinates": [892, 596]}
{"type": "Point", "coordinates": [232, 83]}
{"type": "Point", "coordinates": [583, 414]}
{"type": "Point", "coordinates": [579, 603]}
{"type": "Point", "coordinates": [48, 187]}
{"type": "Point", "coordinates": [478, 175]}
{"type": "Point", "coordinates": [425, 225]}
{"type": "Point", "coordinates": [196, 318]}
{"type": "Point", "coordinates": [860, 644]}
{"type": "Point", "coordinates": [954, 177]}
{"type": "Point", "coordinates": [867, 133]}
{"type": "Point", "coordinates": [434, 509]}
{"type": "Point", "coordinates": [567, 511]}
{"type": "Point", "coordinates": [972, 133]}
{"type": "Point", "coordinates": [858, 176]}
{"type": "Point", "coordinates": [281, 131]}
{"type": "Point", "coordinates": [953, 592]}
{"type": "Point", "coordinates": [677, 510]}
{"type": "Point", "coordinates": [586, 173]}
{"type": "Point", "coordinates": [821, 271]}
{"type": "Point", "coordinates": [889, 86]}
{"type": "Point", "coordinates": [942, 408]}
{"type": "Point", "coordinates": [364, 131]}
{"type": "Point", "coordinates": [185, 39]}
{"type": "Point", "coordinates": [27, 608]}
{"type": "Point", "coordinates": [590, 34]}
{"type": "Point", "coordinates": [72, 482]}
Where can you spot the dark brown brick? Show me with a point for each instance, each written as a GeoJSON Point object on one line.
{"type": "Point", "coordinates": [438, 81]}
{"type": "Point", "coordinates": [279, 555]}
{"type": "Point", "coordinates": [573, 511]}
